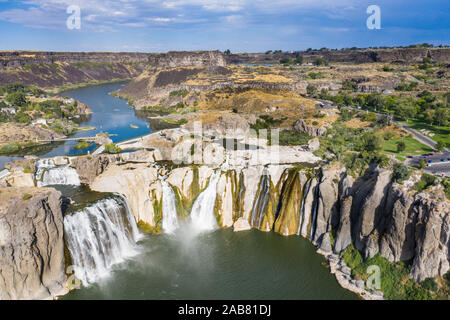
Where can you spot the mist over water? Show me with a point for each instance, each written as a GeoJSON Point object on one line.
{"type": "Point", "coordinates": [202, 214]}
{"type": "Point", "coordinates": [169, 209]}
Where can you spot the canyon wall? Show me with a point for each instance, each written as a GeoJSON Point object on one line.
{"type": "Point", "coordinates": [372, 213]}
{"type": "Point", "coordinates": [400, 55]}
{"type": "Point", "coordinates": [50, 69]}
{"type": "Point", "coordinates": [31, 244]}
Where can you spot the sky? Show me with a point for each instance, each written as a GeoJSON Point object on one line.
{"type": "Point", "coordinates": [238, 25]}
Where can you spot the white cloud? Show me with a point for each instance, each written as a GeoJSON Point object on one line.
{"type": "Point", "coordinates": [108, 14]}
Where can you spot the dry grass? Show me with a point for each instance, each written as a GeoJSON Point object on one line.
{"type": "Point", "coordinates": [357, 123]}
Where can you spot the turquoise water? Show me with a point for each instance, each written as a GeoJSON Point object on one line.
{"type": "Point", "coordinates": [110, 114]}
{"type": "Point", "coordinates": [220, 265]}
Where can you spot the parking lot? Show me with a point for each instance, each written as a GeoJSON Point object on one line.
{"type": "Point", "coordinates": [438, 163]}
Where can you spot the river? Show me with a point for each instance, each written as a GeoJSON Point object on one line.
{"type": "Point", "coordinates": [110, 114]}
{"type": "Point", "coordinates": [221, 264]}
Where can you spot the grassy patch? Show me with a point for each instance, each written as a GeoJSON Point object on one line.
{"type": "Point", "coordinates": [10, 148]}
{"type": "Point", "coordinates": [26, 196]}
{"type": "Point", "coordinates": [440, 133]}
{"type": "Point", "coordinates": [82, 145]}
{"type": "Point", "coordinates": [413, 147]}
{"type": "Point", "coordinates": [395, 281]}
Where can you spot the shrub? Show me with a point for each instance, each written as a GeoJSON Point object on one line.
{"type": "Point", "coordinates": [400, 173]}
{"type": "Point", "coordinates": [26, 196]}
{"type": "Point", "coordinates": [16, 99]}
{"type": "Point", "coordinates": [112, 148]}
{"type": "Point", "coordinates": [425, 181]}
{"type": "Point", "coordinates": [440, 145]}
{"type": "Point", "coordinates": [320, 62]}
{"type": "Point", "coordinates": [9, 148]}
{"type": "Point", "coordinates": [429, 284]}
{"type": "Point", "coordinates": [401, 146]}
{"type": "Point", "coordinates": [311, 89]}
{"type": "Point", "coordinates": [179, 93]}
{"type": "Point", "coordinates": [82, 145]}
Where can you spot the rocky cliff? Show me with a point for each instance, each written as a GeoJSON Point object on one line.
{"type": "Point", "coordinates": [50, 69]}
{"type": "Point", "coordinates": [372, 213]}
{"type": "Point", "coordinates": [31, 244]}
{"type": "Point", "coordinates": [401, 55]}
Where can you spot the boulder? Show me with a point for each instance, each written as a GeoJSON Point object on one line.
{"type": "Point", "coordinates": [241, 224]}
{"type": "Point", "coordinates": [301, 126]}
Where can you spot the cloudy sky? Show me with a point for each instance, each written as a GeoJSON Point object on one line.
{"type": "Point", "coordinates": [238, 25]}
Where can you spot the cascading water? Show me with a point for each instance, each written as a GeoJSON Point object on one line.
{"type": "Point", "coordinates": [169, 209]}
{"type": "Point", "coordinates": [302, 210]}
{"type": "Point", "coordinates": [100, 236]}
{"type": "Point", "coordinates": [49, 174]}
{"type": "Point", "coordinates": [202, 214]}
{"type": "Point", "coordinates": [262, 201]}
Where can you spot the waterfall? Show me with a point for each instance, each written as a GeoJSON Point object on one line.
{"type": "Point", "coordinates": [302, 210]}
{"type": "Point", "coordinates": [99, 236]}
{"type": "Point", "coordinates": [202, 214]}
{"type": "Point", "coordinates": [169, 208]}
{"type": "Point", "coordinates": [314, 216]}
{"type": "Point", "coordinates": [48, 173]}
{"type": "Point", "coordinates": [259, 209]}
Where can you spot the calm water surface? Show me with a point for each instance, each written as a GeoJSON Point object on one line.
{"type": "Point", "coordinates": [220, 265]}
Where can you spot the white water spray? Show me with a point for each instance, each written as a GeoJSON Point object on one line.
{"type": "Point", "coordinates": [169, 209]}
{"type": "Point", "coordinates": [49, 174]}
{"type": "Point", "coordinates": [202, 214]}
{"type": "Point", "coordinates": [100, 236]}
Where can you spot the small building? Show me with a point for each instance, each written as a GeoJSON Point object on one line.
{"type": "Point", "coordinates": [39, 121]}
{"type": "Point", "coordinates": [68, 101]}
{"type": "Point", "coordinates": [9, 110]}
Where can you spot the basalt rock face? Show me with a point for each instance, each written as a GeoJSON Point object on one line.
{"type": "Point", "coordinates": [405, 55]}
{"type": "Point", "coordinates": [48, 69]}
{"type": "Point", "coordinates": [90, 167]}
{"type": "Point", "coordinates": [301, 126]}
{"type": "Point", "coordinates": [379, 216]}
{"type": "Point", "coordinates": [31, 244]}
{"type": "Point", "coordinates": [324, 204]}
{"type": "Point", "coordinates": [173, 59]}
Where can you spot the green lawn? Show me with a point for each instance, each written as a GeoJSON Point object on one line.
{"type": "Point", "coordinates": [413, 147]}
{"type": "Point", "coordinates": [441, 133]}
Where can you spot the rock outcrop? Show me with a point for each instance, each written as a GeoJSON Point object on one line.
{"type": "Point", "coordinates": [31, 244]}
{"type": "Point", "coordinates": [314, 131]}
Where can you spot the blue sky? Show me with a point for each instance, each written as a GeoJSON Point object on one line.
{"type": "Point", "coordinates": [238, 25]}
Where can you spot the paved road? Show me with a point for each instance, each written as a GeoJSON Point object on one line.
{"type": "Point", "coordinates": [419, 136]}
{"type": "Point", "coordinates": [435, 165]}
{"type": "Point", "coordinates": [442, 169]}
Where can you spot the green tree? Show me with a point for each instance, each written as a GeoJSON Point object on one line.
{"type": "Point", "coordinates": [320, 62]}
{"type": "Point", "coordinates": [311, 89]}
{"type": "Point", "coordinates": [422, 164]}
{"type": "Point", "coordinates": [227, 52]}
{"type": "Point", "coordinates": [375, 101]}
{"type": "Point", "coordinates": [372, 143]}
{"type": "Point", "coordinates": [400, 172]}
{"type": "Point", "coordinates": [17, 99]}
{"type": "Point", "coordinates": [440, 145]}
{"type": "Point", "coordinates": [299, 60]}
{"type": "Point", "coordinates": [401, 146]}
